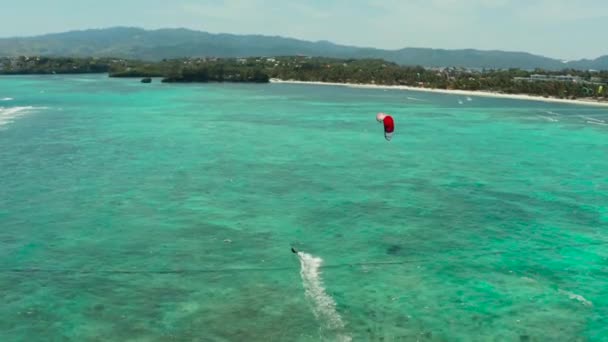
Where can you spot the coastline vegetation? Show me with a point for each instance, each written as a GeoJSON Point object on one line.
{"type": "Point", "coordinates": [568, 84]}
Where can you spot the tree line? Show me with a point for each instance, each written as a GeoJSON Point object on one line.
{"type": "Point", "coordinates": [363, 71]}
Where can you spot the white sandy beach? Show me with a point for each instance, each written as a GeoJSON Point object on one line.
{"type": "Point", "coordinates": [455, 92]}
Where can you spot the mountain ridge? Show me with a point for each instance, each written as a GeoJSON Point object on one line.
{"type": "Point", "coordinates": [166, 43]}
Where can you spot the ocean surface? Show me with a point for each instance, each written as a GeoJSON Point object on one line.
{"type": "Point", "coordinates": [134, 212]}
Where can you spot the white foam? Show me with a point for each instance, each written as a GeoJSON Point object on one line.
{"type": "Point", "coordinates": [552, 113]}
{"type": "Point", "coordinates": [529, 280]}
{"type": "Point", "coordinates": [415, 99]}
{"type": "Point", "coordinates": [323, 305]}
{"type": "Point", "coordinates": [6, 99]}
{"type": "Point", "coordinates": [588, 118]}
{"type": "Point", "coordinates": [576, 297]}
{"type": "Point", "coordinates": [469, 99]}
{"type": "Point", "coordinates": [597, 123]}
{"type": "Point", "coordinates": [9, 114]}
{"type": "Point", "coordinates": [550, 119]}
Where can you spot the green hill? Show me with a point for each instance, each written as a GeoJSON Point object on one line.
{"type": "Point", "coordinates": [135, 43]}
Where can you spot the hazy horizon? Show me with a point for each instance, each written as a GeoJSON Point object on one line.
{"type": "Point", "coordinates": [557, 29]}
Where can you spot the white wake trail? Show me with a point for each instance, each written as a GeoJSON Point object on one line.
{"type": "Point", "coordinates": [323, 305]}
{"type": "Point", "coordinates": [8, 115]}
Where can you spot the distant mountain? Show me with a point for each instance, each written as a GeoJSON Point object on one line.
{"type": "Point", "coordinates": [137, 43]}
{"type": "Point", "coordinates": [586, 64]}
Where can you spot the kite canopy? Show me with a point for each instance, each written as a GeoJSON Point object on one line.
{"type": "Point", "coordinates": [389, 127]}
{"type": "Point", "coordinates": [389, 124]}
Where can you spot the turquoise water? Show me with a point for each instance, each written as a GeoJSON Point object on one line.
{"type": "Point", "coordinates": [133, 212]}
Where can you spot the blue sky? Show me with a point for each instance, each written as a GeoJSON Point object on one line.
{"type": "Point", "coordinates": [567, 29]}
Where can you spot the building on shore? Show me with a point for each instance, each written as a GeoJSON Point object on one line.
{"type": "Point", "coordinates": [560, 78]}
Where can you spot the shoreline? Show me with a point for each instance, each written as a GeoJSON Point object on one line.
{"type": "Point", "coordinates": [452, 92]}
